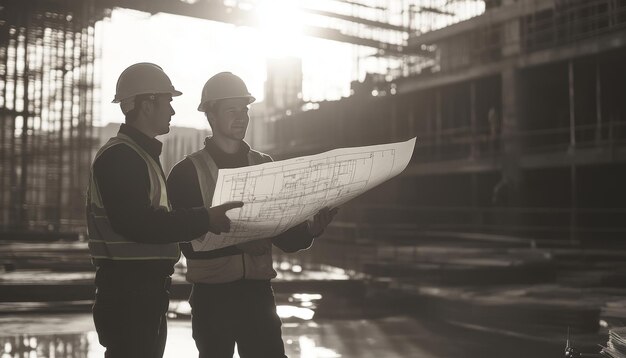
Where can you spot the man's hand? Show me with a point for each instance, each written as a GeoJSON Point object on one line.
{"type": "Point", "coordinates": [218, 221]}
{"type": "Point", "coordinates": [255, 247]}
{"type": "Point", "coordinates": [321, 220]}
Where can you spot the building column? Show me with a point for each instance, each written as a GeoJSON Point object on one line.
{"type": "Point", "coordinates": [507, 191]}
{"type": "Point", "coordinates": [573, 222]}
{"type": "Point", "coordinates": [438, 122]}
{"type": "Point", "coordinates": [512, 41]}
{"type": "Point", "coordinates": [598, 134]}
{"type": "Point", "coordinates": [474, 146]}
{"type": "Point", "coordinates": [510, 139]}
{"type": "Point", "coordinates": [572, 110]}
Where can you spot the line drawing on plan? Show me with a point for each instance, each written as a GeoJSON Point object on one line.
{"type": "Point", "coordinates": [280, 195]}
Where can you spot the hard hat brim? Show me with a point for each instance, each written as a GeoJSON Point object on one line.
{"type": "Point", "coordinates": [174, 93]}
{"type": "Point", "coordinates": [201, 108]}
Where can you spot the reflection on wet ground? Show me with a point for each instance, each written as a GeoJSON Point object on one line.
{"type": "Point", "coordinates": [327, 312]}
{"type": "Point", "coordinates": [69, 345]}
{"type": "Point", "coordinates": [64, 336]}
{"type": "Point", "coordinates": [41, 329]}
{"type": "Point", "coordinates": [72, 335]}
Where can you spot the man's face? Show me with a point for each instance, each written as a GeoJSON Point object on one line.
{"type": "Point", "coordinates": [230, 118]}
{"type": "Point", "coordinates": [162, 114]}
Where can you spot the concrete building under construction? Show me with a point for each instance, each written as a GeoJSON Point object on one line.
{"type": "Point", "coordinates": [508, 220]}
{"type": "Point", "coordinates": [519, 118]}
{"type": "Point", "coordinates": [516, 105]}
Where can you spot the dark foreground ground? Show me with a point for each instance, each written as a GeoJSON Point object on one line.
{"type": "Point", "coordinates": [73, 335]}
{"type": "Point", "coordinates": [432, 302]}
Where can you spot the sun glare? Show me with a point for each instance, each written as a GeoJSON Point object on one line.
{"type": "Point", "coordinates": [281, 27]}
{"type": "Point", "coordinates": [191, 50]}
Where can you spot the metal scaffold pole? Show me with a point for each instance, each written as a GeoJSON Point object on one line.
{"type": "Point", "coordinates": [46, 86]}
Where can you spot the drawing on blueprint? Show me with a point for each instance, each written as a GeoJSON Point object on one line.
{"type": "Point", "coordinates": [279, 195]}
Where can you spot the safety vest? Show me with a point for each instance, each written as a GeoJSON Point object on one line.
{"type": "Point", "coordinates": [227, 268]}
{"type": "Point", "coordinates": [104, 242]}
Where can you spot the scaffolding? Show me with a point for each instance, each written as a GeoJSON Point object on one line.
{"type": "Point", "coordinates": [47, 58]}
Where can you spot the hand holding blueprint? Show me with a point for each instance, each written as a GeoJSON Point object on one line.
{"type": "Point", "coordinates": [280, 195]}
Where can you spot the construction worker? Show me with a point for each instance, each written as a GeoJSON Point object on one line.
{"type": "Point", "coordinates": [232, 299]}
{"type": "Point", "coordinates": [133, 231]}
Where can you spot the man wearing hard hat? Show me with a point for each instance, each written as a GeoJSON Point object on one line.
{"type": "Point", "coordinates": [232, 299]}
{"type": "Point", "coordinates": [133, 231]}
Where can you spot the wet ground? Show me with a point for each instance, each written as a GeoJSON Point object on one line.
{"type": "Point", "coordinates": [65, 335]}
{"type": "Point", "coordinates": [313, 326]}
{"type": "Point", "coordinates": [72, 335]}
{"type": "Point", "coordinates": [327, 312]}
{"type": "Point", "coordinates": [332, 322]}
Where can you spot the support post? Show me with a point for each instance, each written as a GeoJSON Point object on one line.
{"type": "Point", "coordinates": [598, 134]}
{"type": "Point", "coordinates": [474, 150]}
{"type": "Point", "coordinates": [572, 115]}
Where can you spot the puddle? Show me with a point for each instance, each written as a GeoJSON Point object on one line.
{"type": "Point", "coordinates": [64, 335]}
{"type": "Point", "coordinates": [179, 341]}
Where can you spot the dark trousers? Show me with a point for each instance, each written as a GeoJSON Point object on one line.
{"type": "Point", "coordinates": [243, 312]}
{"type": "Point", "coordinates": [130, 316]}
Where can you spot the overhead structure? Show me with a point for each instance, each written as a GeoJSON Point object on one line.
{"type": "Point", "coordinates": [47, 65]}
{"type": "Point", "coordinates": [382, 25]}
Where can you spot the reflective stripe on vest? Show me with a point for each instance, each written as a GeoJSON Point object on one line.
{"type": "Point", "coordinates": [205, 164]}
{"type": "Point", "coordinates": [227, 268]}
{"type": "Point", "coordinates": [104, 242]}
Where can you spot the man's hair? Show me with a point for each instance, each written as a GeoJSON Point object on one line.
{"type": "Point", "coordinates": [131, 115]}
{"type": "Point", "coordinates": [211, 108]}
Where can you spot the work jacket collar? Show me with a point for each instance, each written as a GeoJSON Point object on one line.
{"type": "Point", "coordinates": [210, 145]}
{"type": "Point", "coordinates": [151, 145]}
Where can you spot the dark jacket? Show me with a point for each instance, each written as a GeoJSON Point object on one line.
{"type": "Point", "coordinates": [124, 186]}
{"type": "Point", "coordinates": [185, 192]}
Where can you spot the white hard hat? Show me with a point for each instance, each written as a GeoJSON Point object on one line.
{"type": "Point", "coordinates": [142, 78]}
{"type": "Point", "coordinates": [222, 86]}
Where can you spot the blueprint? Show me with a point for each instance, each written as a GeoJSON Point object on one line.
{"type": "Point", "coordinates": [280, 195]}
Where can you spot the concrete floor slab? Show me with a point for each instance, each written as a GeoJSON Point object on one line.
{"type": "Point", "coordinates": [73, 335]}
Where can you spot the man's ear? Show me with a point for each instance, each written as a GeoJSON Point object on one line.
{"type": "Point", "coordinates": [210, 116]}
{"type": "Point", "coordinates": [146, 107]}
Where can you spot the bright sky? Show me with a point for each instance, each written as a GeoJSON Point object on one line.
{"type": "Point", "coordinates": [192, 50]}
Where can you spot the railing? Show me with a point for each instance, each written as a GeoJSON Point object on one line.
{"type": "Point", "coordinates": [547, 225]}
{"type": "Point", "coordinates": [359, 235]}
{"type": "Point", "coordinates": [570, 21]}
{"type": "Point", "coordinates": [461, 143]}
